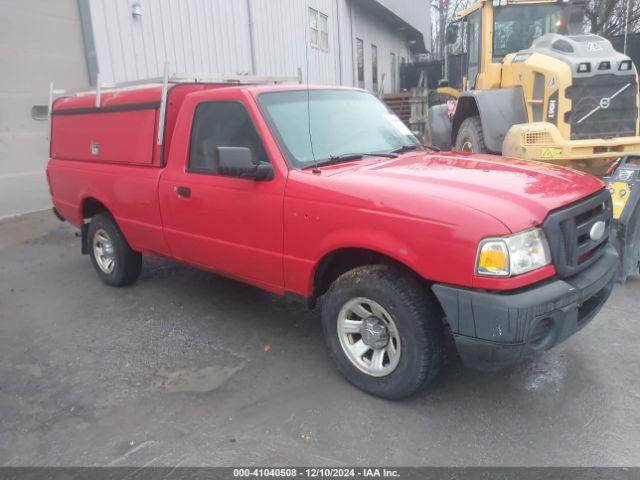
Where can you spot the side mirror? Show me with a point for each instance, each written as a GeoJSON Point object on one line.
{"type": "Point", "coordinates": [264, 172]}
{"type": "Point", "coordinates": [238, 162]}
{"type": "Point", "coordinates": [451, 35]}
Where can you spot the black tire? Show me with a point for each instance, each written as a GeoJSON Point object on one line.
{"type": "Point", "coordinates": [417, 320]}
{"type": "Point", "coordinates": [127, 263]}
{"type": "Point", "coordinates": [470, 137]}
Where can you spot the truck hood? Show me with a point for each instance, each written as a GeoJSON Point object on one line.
{"type": "Point", "coordinates": [517, 193]}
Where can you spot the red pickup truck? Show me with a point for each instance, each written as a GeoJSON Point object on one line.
{"type": "Point", "coordinates": [322, 194]}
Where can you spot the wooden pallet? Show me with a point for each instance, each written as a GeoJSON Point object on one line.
{"type": "Point", "coordinates": [400, 104]}
{"type": "Point", "coordinates": [412, 107]}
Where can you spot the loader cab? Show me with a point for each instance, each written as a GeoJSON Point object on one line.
{"type": "Point", "coordinates": [490, 30]}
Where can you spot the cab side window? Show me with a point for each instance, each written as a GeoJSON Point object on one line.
{"type": "Point", "coordinates": [474, 43]}
{"type": "Point", "coordinates": [222, 124]}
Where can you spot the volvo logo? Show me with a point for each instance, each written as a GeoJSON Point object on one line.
{"type": "Point", "coordinates": [605, 102]}
{"type": "Point", "coordinates": [597, 231]}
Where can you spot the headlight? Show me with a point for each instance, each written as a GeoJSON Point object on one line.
{"type": "Point", "coordinates": [584, 67]}
{"type": "Point", "coordinates": [513, 255]}
{"type": "Point", "coordinates": [625, 65]}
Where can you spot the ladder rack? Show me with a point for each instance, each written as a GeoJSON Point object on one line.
{"type": "Point", "coordinates": [166, 80]}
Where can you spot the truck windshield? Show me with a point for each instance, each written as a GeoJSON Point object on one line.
{"type": "Point", "coordinates": [324, 123]}
{"type": "Point", "coordinates": [515, 27]}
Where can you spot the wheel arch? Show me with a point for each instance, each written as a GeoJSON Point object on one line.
{"type": "Point", "coordinates": [91, 206]}
{"type": "Point", "coordinates": [341, 260]}
{"type": "Point", "coordinates": [498, 109]}
{"type": "Point", "coordinates": [467, 107]}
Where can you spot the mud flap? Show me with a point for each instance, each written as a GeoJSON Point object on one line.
{"type": "Point", "coordinates": [84, 234]}
{"type": "Point", "coordinates": [624, 185]}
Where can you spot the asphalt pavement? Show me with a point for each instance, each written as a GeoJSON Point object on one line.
{"type": "Point", "coordinates": [188, 368]}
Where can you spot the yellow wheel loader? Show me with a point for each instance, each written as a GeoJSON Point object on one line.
{"type": "Point", "coordinates": [535, 87]}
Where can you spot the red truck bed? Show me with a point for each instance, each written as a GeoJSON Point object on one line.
{"type": "Point", "coordinates": [124, 129]}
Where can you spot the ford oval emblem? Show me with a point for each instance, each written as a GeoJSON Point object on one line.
{"type": "Point", "coordinates": [597, 230]}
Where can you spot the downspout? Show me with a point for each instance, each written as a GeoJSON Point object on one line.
{"type": "Point", "coordinates": [339, 41]}
{"type": "Point", "coordinates": [251, 40]}
{"type": "Point", "coordinates": [354, 66]}
{"type": "Point", "coordinates": [91, 56]}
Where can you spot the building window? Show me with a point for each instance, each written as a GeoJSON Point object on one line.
{"type": "Point", "coordinates": [324, 32]}
{"type": "Point", "coordinates": [374, 68]}
{"type": "Point", "coordinates": [360, 53]}
{"type": "Point", "coordinates": [318, 29]}
{"type": "Point", "coordinates": [394, 73]}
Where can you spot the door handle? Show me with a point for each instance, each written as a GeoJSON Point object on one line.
{"type": "Point", "coordinates": [184, 192]}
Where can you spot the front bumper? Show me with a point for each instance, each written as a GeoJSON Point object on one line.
{"type": "Point", "coordinates": [542, 141]}
{"type": "Point", "coordinates": [494, 329]}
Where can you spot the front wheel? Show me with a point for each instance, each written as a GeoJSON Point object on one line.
{"type": "Point", "coordinates": [470, 136]}
{"type": "Point", "coordinates": [383, 331]}
{"type": "Point", "coordinates": [116, 263]}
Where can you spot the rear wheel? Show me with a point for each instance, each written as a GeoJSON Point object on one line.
{"type": "Point", "coordinates": [112, 257]}
{"type": "Point", "coordinates": [470, 137]}
{"type": "Point", "coordinates": [383, 331]}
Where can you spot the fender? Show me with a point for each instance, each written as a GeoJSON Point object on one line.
{"type": "Point", "coordinates": [379, 242]}
{"type": "Point", "coordinates": [439, 124]}
{"type": "Point", "coordinates": [84, 226]}
{"type": "Point", "coordinates": [499, 110]}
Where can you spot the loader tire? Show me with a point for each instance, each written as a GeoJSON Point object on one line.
{"type": "Point", "coordinates": [470, 136]}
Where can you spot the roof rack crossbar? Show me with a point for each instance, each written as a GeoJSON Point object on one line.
{"type": "Point", "coordinates": [164, 82]}
{"type": "Point", "coordinates": [163, 105]}
{"type": "Point", "coordinates": [182, 78]}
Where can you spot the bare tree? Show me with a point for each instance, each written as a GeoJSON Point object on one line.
{"type": "Point", "coordinates": [608, 17]}
{"type": "Point", "coordinates": [444, 12]}
{"type": "Point", "coordinates": [603, 17]}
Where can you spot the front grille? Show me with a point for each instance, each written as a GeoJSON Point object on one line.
{"type": "Point", "coordinates": [594, 114]}
{"type": "Point", "coordinates": [568, 231]}
{"type": "Point", "coordinates": [537, 137]}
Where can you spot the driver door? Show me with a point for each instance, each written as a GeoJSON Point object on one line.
{"type": "Point", "coordinates": [223, 223]}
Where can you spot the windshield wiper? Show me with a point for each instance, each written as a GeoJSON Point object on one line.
{"type": "Point", "coordinates": [411, 148]}
{"type": "Point", "coordinates": [348, 157]}
{"type": "Point", "coordinates": [405, 149]}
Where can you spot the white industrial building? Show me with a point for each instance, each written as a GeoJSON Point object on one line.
{"type": "Point", "coordinates": [133, 39]}
{"type": "Point", "coordinates": [75, 42]}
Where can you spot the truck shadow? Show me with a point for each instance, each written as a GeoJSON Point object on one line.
{"type": "Point", "coordinates": [285, 325]}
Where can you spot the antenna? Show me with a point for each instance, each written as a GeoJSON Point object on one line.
{"type": "Point", "coordinates": [306, 54]}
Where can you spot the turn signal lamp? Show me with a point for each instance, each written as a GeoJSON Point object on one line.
{"type": "Point", "coordinates": [493, 259]}
{"type": "Point", "coordinates": [514, 254]}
